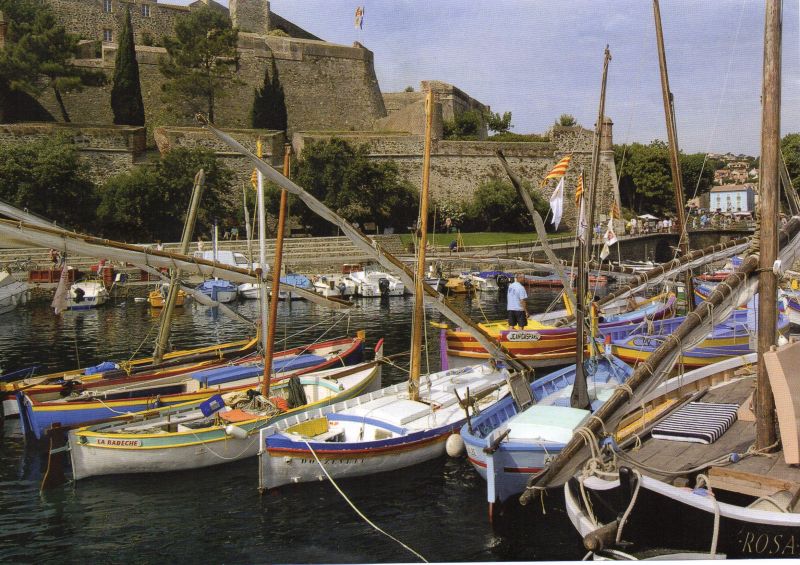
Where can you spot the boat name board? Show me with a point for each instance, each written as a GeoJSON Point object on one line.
{"type": "Point", "coordinates": [759, 543]}
{"type": "Point", "coordinates": [111, 442]}
{"type": "Point", "coordinates": [523, 335]}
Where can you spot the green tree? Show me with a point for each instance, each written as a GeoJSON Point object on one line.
{"type": "Point", "coordinates": [497, 123]}
{"type": "Point", "coordinates": [645, 177]}
{"type": "Point", "coordinates": [126, 94]}
{"type": "Point", "coordinates": [150, 202]}
{"type": "Point", "coordinates": [38, 55]}
{"type": "Point", "coordinates": [790, 147]}
{"type": "Point", "coordinates": [353, 186]}
{"type": "Point", "coordinates": [465, 127]}
{"type": "Point", "coordinates": [697, 174]}
{"type": "Point", "coordinates": [496, 206]}
{"type": "Point", "coordinates": [566, 120]}
{"type": "Point", "coordinates": [47, 177]}
{"type": "Point", "coordinates": [269, 104]}
{"type": "Point", "coordinates": [201, 62]}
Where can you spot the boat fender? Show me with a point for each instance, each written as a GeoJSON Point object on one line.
{"type": "Point", "coordinates": [702, 492]}
{"type": "Point", "coordinates": [734, 457]}
{"type": "Point", "coordinates": [455, 445]}
{"type": "Point", "coordinates": [235, 432]}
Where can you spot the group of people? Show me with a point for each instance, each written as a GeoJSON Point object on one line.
{"type": "Point", "coordinates": [639, 226]}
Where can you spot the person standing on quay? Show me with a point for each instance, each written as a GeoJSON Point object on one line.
{"type": "Point", "coordinates": [517, 307]}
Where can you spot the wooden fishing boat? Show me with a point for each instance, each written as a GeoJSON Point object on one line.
{"type": "Point", "coordinates": [381, 431]}
{"type": "Point", "coordinates": [109, 371]}
{"type": "Point", "coordinates": [543, 345]}
{"type": "Point", "coordinates": [731, 338]}
{"type": "Point", "coordinates": [107, 398]}
{"type": "Point", "coordinates": [506, 445]}
{"type": "Point", "coordinates": [729, 502]}
{"type": "Point", "coordinates": [219, 430]}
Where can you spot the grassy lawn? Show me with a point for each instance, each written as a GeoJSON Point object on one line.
{"type": "Point", "coordinates": [476, 238]}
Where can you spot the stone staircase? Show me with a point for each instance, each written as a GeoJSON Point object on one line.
{"type": "Point", "coordinates": [306, 254]}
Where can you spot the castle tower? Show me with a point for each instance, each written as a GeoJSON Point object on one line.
{"type": "Point", "coordinates": [250, 15]}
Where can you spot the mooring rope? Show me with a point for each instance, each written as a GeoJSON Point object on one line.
{"type": "Point", "coordinates": [355, 508]}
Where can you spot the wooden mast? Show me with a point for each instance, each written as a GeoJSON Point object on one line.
{"type": "Point", "coordinates": [263, 294]}
{"type": "Point", "coordinates": [580, 395]}
{"type": "Point", "coordinates": [768, 210]}
{"type": "Point", "coordinates": [276, 278]}
{"type": "Point", "coordinates": [174, 282]}
{"type": "Point", "coordinates": [674, 160]}
{"type": "Point", "coordinates": [419, 293]}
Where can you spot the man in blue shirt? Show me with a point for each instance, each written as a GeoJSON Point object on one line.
{"type": "Point", "coordinates": [517, 307]}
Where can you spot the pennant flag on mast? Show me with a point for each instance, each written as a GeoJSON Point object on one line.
{"type": "Point", "coordinates": [615, 215]}
{"type": "Point", "coordinates": [61, 297]}
{"type": "Point", "coordinates": [579, 202]}
{"type": "Point", "coordinates": [579, 190]}
{"type": "Point", "coordinates": [559, 170]}
{"type": "Point", "coordinates": [610, 238]}
{"type": "Point", "coordinates": [557, 202]}
{"type": "Point", "coordinates": [360, 17]}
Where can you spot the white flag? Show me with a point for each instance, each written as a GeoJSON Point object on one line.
{"type": "Point", "coordinates": [610, 238]}
{"type": "Point", "coordinates": [557, 202]}
{"type": "Point", "coordinates": [582, 225]}
{"type": "Point", "coordinates": [60, 302]}
{"type": "Point", "coordinates": [604, 252]}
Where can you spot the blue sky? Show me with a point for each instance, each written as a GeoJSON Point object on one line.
{"type": "Point", "coordinates": [539, 59]}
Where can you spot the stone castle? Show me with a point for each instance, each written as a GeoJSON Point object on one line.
{"type": "Point", "coordinates": [330, 90]}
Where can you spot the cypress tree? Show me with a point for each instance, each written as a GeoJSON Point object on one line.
{"type": "Point", "coordinates": [126, 94]}
{"type": "Point", "coordinates": [269, 105]}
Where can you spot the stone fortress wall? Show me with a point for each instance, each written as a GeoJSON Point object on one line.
{"type": "Point", "coordinates": [331, 91]}
{"type": "Point", "coordinates": [327, 86]}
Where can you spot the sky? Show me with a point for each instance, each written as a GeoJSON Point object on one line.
{"type": "Point", "coordinates": [539, 59]}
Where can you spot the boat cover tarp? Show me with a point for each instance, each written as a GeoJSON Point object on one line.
{"type": "Point", "coordinates": [218, 376]}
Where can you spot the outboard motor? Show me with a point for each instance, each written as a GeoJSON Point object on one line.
{"type": "Point", "coordinates": [468, 285]}
{"type": "Point", "coordinates": [342, 288]}
{"type": "Point", "coordinates": [502, 282]}
{"type": "Point", "coordinates": [383, 285]}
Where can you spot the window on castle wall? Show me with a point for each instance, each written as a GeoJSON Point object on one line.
{"type": "Point", "coordinates": [108, 36]}
{"type": "Point", "coordinates": [146, 10]}
{"type": "Point", "coordinates": [107, 7]}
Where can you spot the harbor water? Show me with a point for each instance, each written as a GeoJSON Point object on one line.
{"type": "Point", "coordinates": [217, 515]}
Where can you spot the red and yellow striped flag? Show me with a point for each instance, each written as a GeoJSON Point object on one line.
{"type": "Point", "coordinates": [579, 190]}
{"type": "Point", "coordinates": [559, 170]}
{"type": "Point", "coordinates": [615, 215]}
{"type": "Point", "coordinates": [254, 178]}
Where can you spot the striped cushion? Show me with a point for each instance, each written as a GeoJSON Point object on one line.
{"type": "Point", "coordinates": [698, 422]}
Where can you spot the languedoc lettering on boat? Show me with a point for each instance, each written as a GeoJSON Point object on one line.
{"type": "Point", "coordinates": [523, 336]}
{"type": "Point", "coordinates": [119, 442]}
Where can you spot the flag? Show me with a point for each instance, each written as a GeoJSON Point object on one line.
{"type": "Point", "coordinates": [582, 225]}
{"type": "Point", "coordinates": [610, 238]}
{"type": "Point", "coordinates": [557, 202]}
{"type": "Point", "coordinates": [604, 252]}
{"type": "Point", "coordinates": [559, 170]}
{"type": "Point", "coordinates": [360, 17]}
{"type": "Point", "coordinates": [60, 301]}
{"type": "Point", "coordinates": [615, 211]}
{"type": "Point", "coordinates": [254, 179]}
{"type": "Point", "coordinates": [579, 190]}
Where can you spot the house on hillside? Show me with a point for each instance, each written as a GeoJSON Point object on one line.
{"type": "Point", "coordinates": [732, 198]}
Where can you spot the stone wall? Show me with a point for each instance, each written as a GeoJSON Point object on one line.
{"type": "Point", "coordinates": [326, 86]}
{"type": "Point", "coordinates": [107, 149]}
{"type": "Point", "coordinates": [272, 146]}
{"type": "Point", "coordinates": [88, 18]}
{"type": "Point", "coordinates": [458, 168]}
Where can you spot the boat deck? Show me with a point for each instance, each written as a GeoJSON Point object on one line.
{"type": "Point", "coordinates": [754, 475]}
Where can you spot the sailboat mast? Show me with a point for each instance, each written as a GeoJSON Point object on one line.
{"type": "Point", "coordinates": [174, 282]}
{"type": "Point", "coordinates": [419, 292]}
{"type": "Point", "coordinates": [674, 161]}
{"type": "Point", "coordinates": [580, 394]}
{"type": "Point", "coordinates": [276, 278]}
{"type": "Point", "coordinates": [262, 262]}
{"type": "Point", "coordinates": [768, 210]}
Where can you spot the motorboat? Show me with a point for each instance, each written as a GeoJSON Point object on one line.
{"type": "Point", "coordinates": [87, 294]}
{"type": "Point", "coordinates": [377, 283]}
{"type": "Point", "coordinates": [12, 292]}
